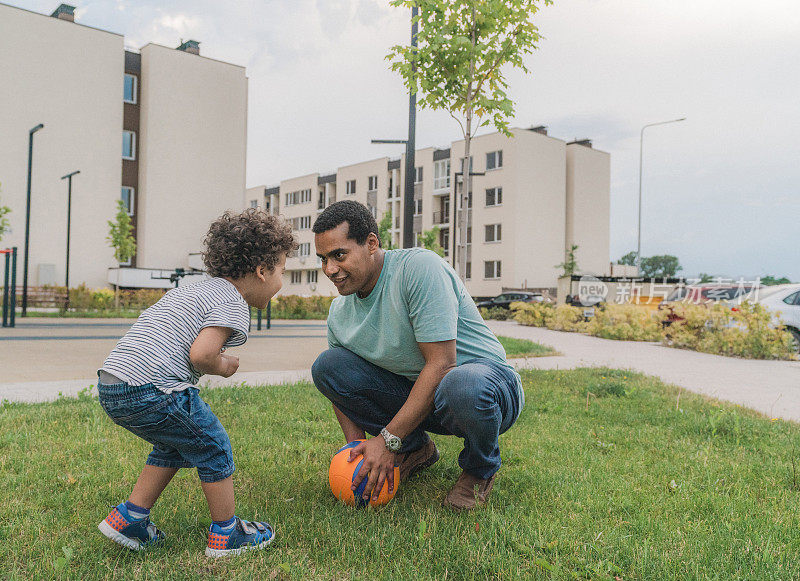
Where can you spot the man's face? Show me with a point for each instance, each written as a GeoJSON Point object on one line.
{"type": "Point", "coordinates": [349, 265]}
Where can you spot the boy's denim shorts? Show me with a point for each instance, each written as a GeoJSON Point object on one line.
{"type": "Point", "coordinates": [182, 428]}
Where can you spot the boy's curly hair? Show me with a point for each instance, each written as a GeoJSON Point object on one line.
{"type": "Point", "coordinates": [237, 244]}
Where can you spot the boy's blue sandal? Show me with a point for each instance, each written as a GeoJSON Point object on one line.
{"type": "Point", "coordinates": [121, 528]}
{"type": "Point", "coordinates": [245, 535]}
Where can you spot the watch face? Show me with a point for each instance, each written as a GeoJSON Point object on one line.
{"type": "Point", "coordinates": [394, 443]}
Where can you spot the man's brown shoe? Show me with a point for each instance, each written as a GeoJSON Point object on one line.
{"type": "Point", "coordinates": [413, 462]}
{"type": "Point", "coordinates": [468, 491]}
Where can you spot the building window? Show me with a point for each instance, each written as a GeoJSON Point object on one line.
{"type": "Point", "coordinates": [469, 270]}
{"type": "Point", "coordinates": [311, 276]}
{"type": "Point", "coordinates": [305, 249]}
{"type": "Point", "coordinates": [494, 197]}
{"type": "Point", "coordinates": [128, 145]}
{"type": "Point", "coordinates": [372, 182]}
{"type": "Point", "coordinates": [127, 199]}
{"type": "Point", "coordinates": [493, 233]}
{"type": "Point", "coordinates": [469, 234]}
{"type": "Point", "coordinates": [491, 269]}
{"type": "Point", "coordinates": [418, 175]}
{"type": "Point", "coordinates": [305, 223]}
{"type": "Point", "coordinates": [305, 196]}
{"type": "Point", "coordinates": [417, 206]}
{"type": "Point", "coordinates": [441, 174]}
{"type": "Point", "coordinates": [254, 203]}
{"type": "Point", "coordinates": [321, 200]}
{"type": "Point", "coordinates": [130, 89]}
{"type": "Point", "coordinates": [494, 160]}
{"type": "Point", "coordinates": [350, 187]}
{"type": "Point", "coordinates": [296, 276]}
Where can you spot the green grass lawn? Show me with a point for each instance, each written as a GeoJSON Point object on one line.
{"type": "Point", "coordinates": [516, 348]}
{"type": "Point", "coordinates": [633, 488]}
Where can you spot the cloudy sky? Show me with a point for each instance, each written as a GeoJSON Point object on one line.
{"type": "Point", "coordinates": [721, 189]}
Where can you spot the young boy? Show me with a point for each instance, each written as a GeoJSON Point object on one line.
{"type": "Point", "coordinates": [148, 384]}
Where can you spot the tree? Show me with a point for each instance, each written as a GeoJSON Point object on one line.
{"type": "Point", "coordinates": [120, 238]}
{"type": "Point", "coordinates": [384, 231]}
{"type": "Point", "coordinates": [570, 264]}
{"type": "Point", "coordinates": [629, 259]}
{"type": "Point", "coordinates": [457, 66]}
{"type": "Point", "coordinates": [770, 280]}
{"type": "Point", "coordinates": [704, 277]}
{"type": "Point", "coordinates": [430, 239]}
{"type": "Point", "coordinates": [4, 224]}
{"type": "Point", "coordinates": [663, 265]}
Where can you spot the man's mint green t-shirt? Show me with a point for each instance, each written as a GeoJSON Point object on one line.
{"type": "Point", "coordinates": [418, 298]}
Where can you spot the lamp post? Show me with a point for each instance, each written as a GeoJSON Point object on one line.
{"type": "Point", "coordinates": [28, 221]}
{"type": "Point", "coordinates": [641, 149]}
{"type": "Point", "coordinates": [408, 203]}
{"type": "Point", "coordinates": [68, 177]}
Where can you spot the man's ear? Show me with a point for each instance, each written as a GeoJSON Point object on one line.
{"type": "Point", "coordinates": [373, 244]}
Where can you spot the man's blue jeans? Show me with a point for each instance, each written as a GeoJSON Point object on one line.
{"type": "Point", "coordinates": [476, 401]}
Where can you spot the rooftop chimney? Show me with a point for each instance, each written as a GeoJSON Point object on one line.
{"type": "Point", "coordinates": [584, 142]}
{"type": "Point", "coordinates": [191, 46]}
{"type": "Point", "coordinates": [64, 12]}
{"type": "Point", "coordinates": [539, 129]}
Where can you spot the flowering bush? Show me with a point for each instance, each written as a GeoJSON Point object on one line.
{"type": "Point", "coordinates": [496, 313]}
{"type": "Point", "coordinates": [532, 314]}
{"type": "Point", "coordinates": [625, 323]}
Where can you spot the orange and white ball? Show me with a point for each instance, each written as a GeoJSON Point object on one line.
{"type": "Point", "coordinates": [342, 473]}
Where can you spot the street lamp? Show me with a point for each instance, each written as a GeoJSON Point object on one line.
{"type": "Point", "coordinates": [28, 221]}
{"type": "Point", "coordinates": [408, 204]}
{"type": "Point", "coordinates": [68, 177]}
{"type": "Point", "coordinates": [641, 149]}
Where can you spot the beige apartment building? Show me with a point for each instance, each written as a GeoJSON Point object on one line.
{"type": "Point", "coordinates": [535, 197]}
{"type": "Point", "coordinates": [163, 129]}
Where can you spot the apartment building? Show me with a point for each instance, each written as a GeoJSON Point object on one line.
{"type": "Point", "coordinates": [533, 197]}
{"type": "Point", "coordinates": [163, 129]}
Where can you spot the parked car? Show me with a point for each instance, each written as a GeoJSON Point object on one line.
{"type": "Point", "coordinates": [705, 294]}
{"type": "Point", "coordinates": [504, 300]}
{"type": "Point", "coordinates": [784, 302]}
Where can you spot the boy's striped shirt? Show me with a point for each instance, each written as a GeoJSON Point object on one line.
{"type": "Point", "coordinates": [156, 348]}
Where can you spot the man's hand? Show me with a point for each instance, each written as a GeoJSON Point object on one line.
{"type": "Point", "coordinates": [378, 467]}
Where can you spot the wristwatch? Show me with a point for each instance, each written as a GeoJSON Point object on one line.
{"type": "Point", "coordinates": [393, 443]}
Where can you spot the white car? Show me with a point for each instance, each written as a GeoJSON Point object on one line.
{"type": "Point", "coordinates": [784, 299]}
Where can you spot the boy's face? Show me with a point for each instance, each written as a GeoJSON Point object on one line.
{"type": "Point", "coordinates": [269, 282]}
{"type": "Point", "coordinates": [348, 264]}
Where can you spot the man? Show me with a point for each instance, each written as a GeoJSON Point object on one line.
{"type": "Point", "coordinates": [409, 354]}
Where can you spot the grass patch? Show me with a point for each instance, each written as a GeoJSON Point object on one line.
{"type": "Point", "coordinates": [631, 485]}
{"type": "Point", "coordinates": [524, 348]}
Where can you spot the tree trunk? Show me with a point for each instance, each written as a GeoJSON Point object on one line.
{"type": "Point", "coordinates": [463, 222]}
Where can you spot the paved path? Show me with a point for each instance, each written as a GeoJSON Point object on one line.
{"type": "Point", "coordinates": [43, 358]}
{"type": "Point", "coordinates": [771, 387]}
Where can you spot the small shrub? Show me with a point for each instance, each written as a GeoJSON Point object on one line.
{"type": "Point", "coordinates": [297, 307]}
{"type": "Point", "coordinates": [532, 314]}
{"type": "Point", "coordinates": [567, 318]}
{"type": "Point", "coordinates": [495, 313]}
{"type": "Point", "coordinates": [626, 323]}
{"type": "Point", "coordinates": [745, 332]}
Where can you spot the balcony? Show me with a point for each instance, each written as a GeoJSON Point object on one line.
{"type": "Point", "coordinates": [441, 217]}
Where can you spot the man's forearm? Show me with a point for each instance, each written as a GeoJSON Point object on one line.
{"type": "Point", "coordinates": [419, 404]}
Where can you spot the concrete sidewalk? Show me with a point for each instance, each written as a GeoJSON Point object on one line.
{"type": "Point", "coordinates": [284, 355]}
{"type": "Point", "coordinates": [771, 387]}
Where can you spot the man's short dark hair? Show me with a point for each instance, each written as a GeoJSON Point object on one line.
{"type": "Point", "coordinates": [359, 219]}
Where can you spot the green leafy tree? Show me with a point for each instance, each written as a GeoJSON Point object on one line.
{"type": "Point", "coordinates": [430, 239]}
{"type": "Point", "coordinates": [463, 46]}
{"type": "Point", "coordinates": [4, 224]}
{"type": "Point", "coordinates": [120, 238]}
{"type": "Point", "coordinates": [629, 259]}
{"type": "Point", "coordinates": [704, 277]}
{"type": "Point", "coordinates": [770, 280]}
{"type": "Point", "coordinates": [384, 231]}
{"type": "Point", "coordinates": [663, 265]}
{"type": "Point", "coordinates": [570, 264]}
